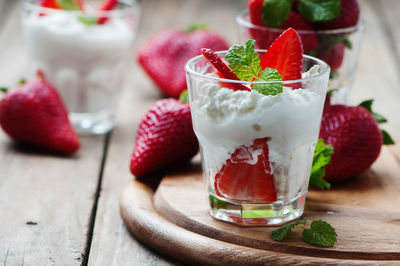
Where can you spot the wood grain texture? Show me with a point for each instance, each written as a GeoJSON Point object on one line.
{"type": "Point", "coordinates": [377, 74]}
{"type": "Point", "coordinates": [365, 230]}
{"type": "Point", "coordinates": [56, 193]}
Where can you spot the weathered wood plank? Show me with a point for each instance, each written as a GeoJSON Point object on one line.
{"type": "Point", "coordinates": [391, 10]}
{"type": "Point", "coordinates": [55, 193]}
{"type": "Point", "coordinates": [112, 244]}
{"type": "Point", "coordinates": [377, 75]}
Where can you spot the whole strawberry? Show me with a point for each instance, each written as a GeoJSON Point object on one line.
{"type": "Point", "coordinates": [349, 15]}
{"type": "Point", "coordinates": [34, 114]}
{"type": "Point", "coordinates": [164, 56]}
{"type": "Point", "coordinates": [333, 54]}
{"type": "Point", "coordinates": [356, 139]}
{"type": "Point", "coordinates": [165, 137]}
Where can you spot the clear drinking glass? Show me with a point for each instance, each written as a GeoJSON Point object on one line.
{"type": "Point", "coordinates": [339, 48]}
{"type": "Point", "coordinates": [256, 150]}
{"type": "Point", "coordinates": [84, 60]}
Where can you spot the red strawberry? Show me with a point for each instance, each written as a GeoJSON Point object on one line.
{"type": "Point", "coordinates": [50, 4]}
{"type": "Point", "coordinates": [107, 5]}
{"type": "Point", "coordinates": [333, 55]}
{"type": "Point", "coordinates": [355, 137]}
{"type": "Point", "coordinates": [35, 114]}
{"type": "Point", "coordinates": [285, 55]}
{"type": "Point", "coordinates": [222, 69]}
{"type": "Point", "coordinates": [308, 36]}
{"type": "Point", "coordinates": [349, 15]}
{"type": "Point", "coordinates": [164, 56]}
{"type": "Point", "coordinates": [255, 11]}
{"type": "Point", "coordinates": [241, 179]}
{"type": "Point", "coordinates": [165, 136]}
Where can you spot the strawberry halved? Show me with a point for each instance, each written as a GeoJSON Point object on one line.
{"type": "Point", "coordinates": [50, 4]}
{"type": "Point", "coordinates": [285, 55]}
{"type": "Point", "coordinates": [247, 175]}
{"type": "Point", "coordinates": [107, 5]}
{"type": "Point", "coordinates": [222, 69]}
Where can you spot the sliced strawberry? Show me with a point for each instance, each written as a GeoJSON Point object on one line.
{"type": "Point", "coordinates": [285, 55]}
{"type": "Point", "coordinates": [50, 4]}
{"type": "Point", "coordinates": [222, 68]}
{"type": "Point", "coordinates": [255, 10]}
{"type": "Point", "coordinates": [107, 5]}
{"type": "Point", "coordinates": [247, 175]}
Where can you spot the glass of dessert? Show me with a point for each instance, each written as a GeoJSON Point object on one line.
{"type": "Point", "coordinates": [333, 38]}
{"type": "Point", "coordinates": [257, 122]}
{"type": "Point", "coordinates": [84, 50]}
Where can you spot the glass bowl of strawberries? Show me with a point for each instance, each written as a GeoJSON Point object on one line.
{"type": "Point", "coordinates": [83, 48]}
{"type": "Point", "coordinates": [330, 30]}
{"type": "Point", "coordinates": [257, 115]}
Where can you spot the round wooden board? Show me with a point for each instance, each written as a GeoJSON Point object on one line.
{"type": "Point", "coordinates": [365, 212]}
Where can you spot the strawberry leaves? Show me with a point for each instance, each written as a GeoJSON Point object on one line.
{"type": "Point", "coordinates": [275, 12]}
{"type": "Point", "coordinates": [387, 139]}
{"type": "Point", "coordinates": [245, 63]}
{"type": "Point", "coordinates": [322, 157]}
{"type": "Point", "coordinates": [319, 10]}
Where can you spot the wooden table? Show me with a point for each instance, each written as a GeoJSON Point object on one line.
{"type": "Point", "coordinates": [64, 211]}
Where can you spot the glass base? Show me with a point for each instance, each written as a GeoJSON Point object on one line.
{"type": "Point", "coordinates": [92, 123]}
{"type": "Point", "coordinates": [250, 214]}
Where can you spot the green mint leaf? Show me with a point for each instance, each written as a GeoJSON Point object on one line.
{"type": "Point", "coordinates": [367, 104]}
{"type": "Point", "coordinates": [244, 61]}
{"type": "Point", "coordinates": [184, 97]}
{"type": "Point", "coordinates": [269, 74]}
{"type": "Point", "coordinates": [275, 12]}
{"type": "Point", "coordinates": [347, 42]}
{"type": "Point", "coordinates": [3, 89]}
{"type": "Point", "coordinates": [71, 5]}
{"type": "Point", "coordinates": [319, 10]}
{"type": "Point", "coordinates": [322, 157]}
{"type": "Point", "coordinates": [88, 20]}
{"type": "Point", "coordinates": [320, 234]}
{"type": "Point", "coordinates": [281, 233]}
{"type": "Point", "coordinates": [387, 139]}
{"type": "Point", "coordinates": [196, 26]}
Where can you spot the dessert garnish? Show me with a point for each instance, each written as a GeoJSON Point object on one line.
{"type": "Point", "coordinates": [164, 56]}
{"type": "Point", "coordinates": [320, 233]}
{"type": "Point", "coordinates": [165, 137]}
{"type": "Point", "coordinates": [34, 114]}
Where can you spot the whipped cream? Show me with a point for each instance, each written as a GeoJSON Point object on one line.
{"type": "Point", "coordinates": [224, 120]}
{"type": "Point", "coordinates": [85, 63]}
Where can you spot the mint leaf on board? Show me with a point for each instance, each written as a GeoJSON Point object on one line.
{"type": "Point", "coordinates": [319, 10]}
{"type": "Point", "coordinates": [269, 74]}
{"type": "Point", "coordinates": [367, 104]}
{"type": "Point", "coordinates": [71, 5]}
{"type": "Point", "coordinates": [322, 157]}
{"type": "Point", "coordinates": [281, 233]}
{"type": "Point", "coordinates": [275, 12]}
{"type": "Point", "coordinates": [244, 61]}
{"type": "Point", "coordinates": [387, 139]}
{"type": "Point", "coordinates": [320, 234]}
{"type": "Point", "coordinates": [184, 97]}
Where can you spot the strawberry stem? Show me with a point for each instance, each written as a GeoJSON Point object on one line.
{"type": "Point", "coordinates": [196, 26]}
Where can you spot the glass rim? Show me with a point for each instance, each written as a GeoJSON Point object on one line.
{"type": "Point", "coordinates": [132, 7]}
{"type": "Point", "coordinates": [325, 69]}
{"type": "Point", "coordinates": [241, 21]}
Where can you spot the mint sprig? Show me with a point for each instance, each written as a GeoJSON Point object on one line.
{"type": "Point", "coordinates": [320, 234]}
{"type": "Point", "coordinates": [281, 233]}
{"type": "Point", "coordinates": [322, 157]}
{"type": "Point", "coordinates": [245, 63]}
{"type": "Point", "coordinates": [387, 139]}
{"type": "Point", "coordinates": [71, 5]}
{"type": "Point", "coordinates": [319, 10]}
{"type": "Point", "coordinates": [275, 12]}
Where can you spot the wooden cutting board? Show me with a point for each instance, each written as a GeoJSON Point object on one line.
{"type": "Point", "coordinates": [365, 211]}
